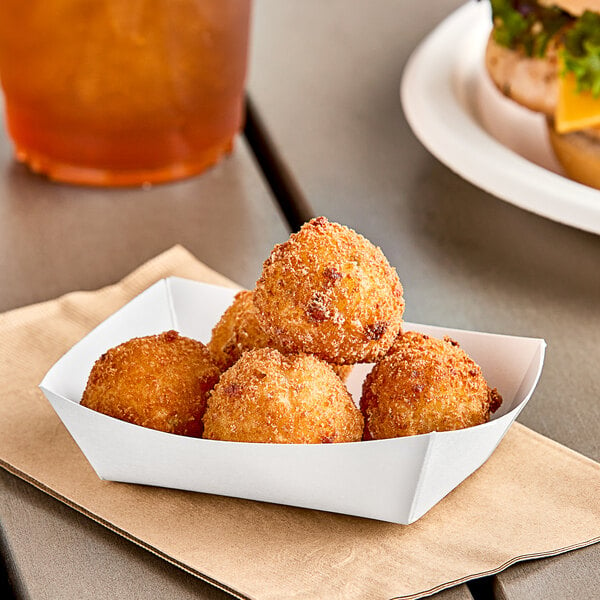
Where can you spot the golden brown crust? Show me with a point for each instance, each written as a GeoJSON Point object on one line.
{"type": "Point", "coordinates": [160, 381]}
{"type": "Point", "coordinates": [328, 291]}
{"type": "Point", "coordinates": [268, 397]}
{"type": "Point", "coordinates": [342, 371]}
{"type": "Point", "coordinates": [238, 331]}
{"type": "Point", "coordinates": [531, 82]}
{"type": "Point", "coordinates": [425, 385]}
{"type": "Point", "coordinates": [579, 154]}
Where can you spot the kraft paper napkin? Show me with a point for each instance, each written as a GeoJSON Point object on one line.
{"type": "Point", "coordinates": [532, 498]}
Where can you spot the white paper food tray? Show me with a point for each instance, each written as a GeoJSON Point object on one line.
{"type": "Point", "coordinates": [396, 480]}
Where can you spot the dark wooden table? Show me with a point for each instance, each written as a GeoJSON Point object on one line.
{"type": "Point", "coordinates": [327, 137]}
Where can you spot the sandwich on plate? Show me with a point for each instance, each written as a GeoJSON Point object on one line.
{"type": "Point", "coordinates": [545, 55]}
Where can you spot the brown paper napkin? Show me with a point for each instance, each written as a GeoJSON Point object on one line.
{"type": "Point", "coordinates": [532, 498]}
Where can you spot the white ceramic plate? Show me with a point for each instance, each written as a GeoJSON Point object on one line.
{"type": "Point", "coordinates": [454, 109]}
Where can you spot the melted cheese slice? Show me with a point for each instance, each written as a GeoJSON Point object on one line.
{"type": "Point", "coordinates": [575, 110]}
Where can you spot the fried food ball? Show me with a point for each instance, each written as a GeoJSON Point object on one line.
{"type": "Point", "coordinates": [342, 371]}
{"type": "Point", "coordinates": [425, 385]}
{"type": "Point", "coordinates": [270, 397]}
{"type": "Point", "coordinates": [328, 291]}
{"type": "Point", "coordinates": [239, 330]}
{"type": "Point", "coordinates": [159, 381]}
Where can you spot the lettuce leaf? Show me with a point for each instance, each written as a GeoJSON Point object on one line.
{"type": "Point", "coordinates": [581, 54]}
{"type": "Point", "coordinates": [525, 25]}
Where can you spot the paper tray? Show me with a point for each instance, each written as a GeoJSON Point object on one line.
{"type": "Point", "coordinates": [396, 480]}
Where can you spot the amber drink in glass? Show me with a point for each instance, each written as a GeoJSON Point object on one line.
{"type": "Point", "coordinates": [123, 92]}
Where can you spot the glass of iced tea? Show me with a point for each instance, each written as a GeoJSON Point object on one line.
{"type": "Point", "coordinates": [123, 92]}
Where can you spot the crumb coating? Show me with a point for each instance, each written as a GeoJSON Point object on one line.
{"type": "Point", "coordinates": [425, 384]}
{"type": "Point", "coordinates": [269, 397]}
{"type": "Point", "coordinates": [159, 381]}
{"type": "Point", "coordinates": [330, 292]}
{"type": "Point", "coordinates": [239, 330]}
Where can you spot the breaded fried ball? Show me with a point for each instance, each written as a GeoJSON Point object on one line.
{"type": "Point", "coordinates": [269, 397]}
{"type": "Point", "coordinates": [159, 381]}
{"type": "Point", "coordinates": [238, 331]}
{"type": "Point", "coordinates": [425, 385]}
{"type": "Point", "coordinates": [328, 291]}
